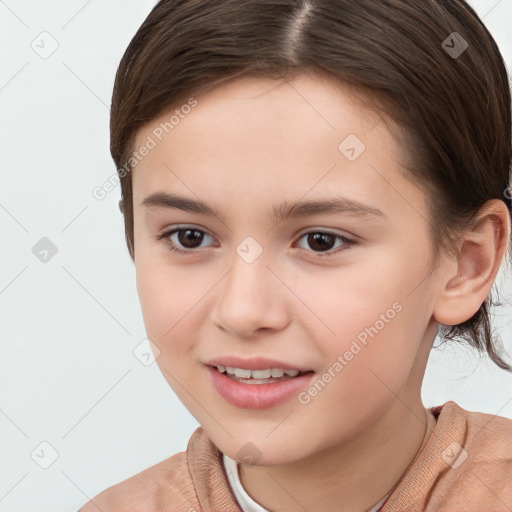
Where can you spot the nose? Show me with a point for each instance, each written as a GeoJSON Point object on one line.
{"type": "Point", "coordinates": [250, 299]}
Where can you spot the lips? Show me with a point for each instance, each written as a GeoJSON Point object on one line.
{"type": "Point", "coordinates": [256, 393]}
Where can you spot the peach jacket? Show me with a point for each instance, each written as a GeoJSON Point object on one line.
{"type": "Point", "coordinates": [465, 466]}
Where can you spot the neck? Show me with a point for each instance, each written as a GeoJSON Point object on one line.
{"type": "Point", "coordinates": [357, 473]}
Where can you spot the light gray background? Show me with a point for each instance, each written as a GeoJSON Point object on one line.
{"type": "Point", "coordinates": [68, 374]}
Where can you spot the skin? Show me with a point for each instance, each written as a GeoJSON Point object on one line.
{"type": "Point", "coordinates": [254, 143]}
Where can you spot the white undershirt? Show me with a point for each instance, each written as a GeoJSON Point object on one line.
{"type": "Point", "coordinates": [245, 501]}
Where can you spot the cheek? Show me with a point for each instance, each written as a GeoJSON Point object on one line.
{"type": "Point", "coordinates": [363, 378]}
{"type": "Point", "coordinates": [165, 296]}
{"type": "Point", "coordinates": [173, 301]}
{"type": "Point", "coordinates": [370, 330]}
{"type": "Point", "coordinates": [170, 304]}
{"type": "Point", "coordinates": [351, 303]}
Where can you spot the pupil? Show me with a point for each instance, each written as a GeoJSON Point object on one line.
{"type": "Point", "coordinates": [319, 239]}
{"type": "Point", "coordinates": [187, 235]}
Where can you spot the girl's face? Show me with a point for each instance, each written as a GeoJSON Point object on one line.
{"type": "Point", "coordinates": [344, 289]}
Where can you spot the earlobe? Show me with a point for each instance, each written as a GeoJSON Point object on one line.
{"type": "Point", "coordinates": [470, 279]}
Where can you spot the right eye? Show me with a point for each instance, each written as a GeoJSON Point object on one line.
{"type": "Point", "coordinates": [186, 237]}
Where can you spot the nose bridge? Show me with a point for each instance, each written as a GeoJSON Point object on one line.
{"type": "Point", "coordinates": [248, 298]}
{"type": "Point", "coordinates": [249, 276]}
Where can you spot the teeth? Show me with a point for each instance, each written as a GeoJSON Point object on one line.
{"type": "Point", "coordinates": [243, 374]}
{"type": "Point", "coordinates": [261, 374]}
{"type": "Point", "coordinates": [257, 374]}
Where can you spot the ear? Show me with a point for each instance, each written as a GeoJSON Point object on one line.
{"type": "Point", "coordinates": [470, 277]}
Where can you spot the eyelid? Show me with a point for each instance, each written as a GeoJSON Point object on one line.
{"type": "Point", "coordinates": [330, 231]}
{"type": "Point", "coordinates": [176, 227]}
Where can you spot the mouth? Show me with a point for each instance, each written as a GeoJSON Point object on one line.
{"type": "Point", "coordinates": [265, 376]}
{"type": "Point", "coordinates": [258, 388]}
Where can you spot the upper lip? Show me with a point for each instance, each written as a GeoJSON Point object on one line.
{"type": "Point", "coordinates": [254, 363]}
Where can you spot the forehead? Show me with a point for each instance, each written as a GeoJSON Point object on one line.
{"type": "Point", "coordinates": [264, 138]}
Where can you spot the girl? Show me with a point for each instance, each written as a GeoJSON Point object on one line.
{"type": "Point", "coordinates": [312, 190]}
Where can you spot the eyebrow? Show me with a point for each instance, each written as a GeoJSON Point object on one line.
{"type": "Point", "coordinates": [334, 205]}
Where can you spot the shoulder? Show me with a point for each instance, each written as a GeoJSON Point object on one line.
{"type": "Point", "coordinates": [466, 464]}
{"type": "Point", "coordinates": [488, 435]}
{"type": "Point", "coordinates": [477, 450]}
{"type": "Point", "coordinates": [166, 485]}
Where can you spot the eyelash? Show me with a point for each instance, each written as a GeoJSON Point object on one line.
{"type": "Point", "coordinates": [347, 243]}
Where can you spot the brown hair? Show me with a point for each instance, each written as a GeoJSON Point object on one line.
{"type": "Point", "coordinates": [430, 65]}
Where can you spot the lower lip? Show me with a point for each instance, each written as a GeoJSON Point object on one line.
{"type": "Point", "coordinates": [257, 396]}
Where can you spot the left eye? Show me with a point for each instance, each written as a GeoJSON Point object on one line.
{"type": "Point", "coordinates": [191, 238]}
{"type": "Point", "coordinates": [322, 240]}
